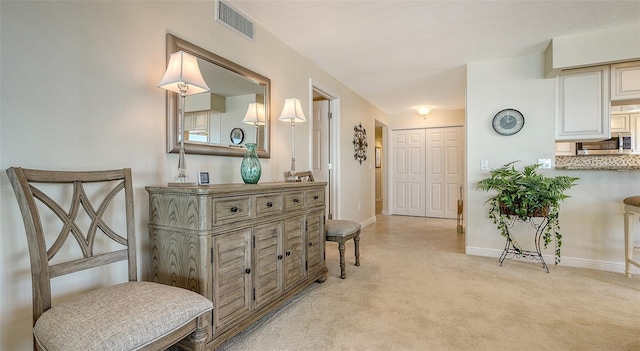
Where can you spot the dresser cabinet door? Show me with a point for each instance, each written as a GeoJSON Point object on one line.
{"type": "Point", "coordinates": [268, 262]}
{"type": "Point", "coordinates": [294, 259]}
{"type": "Point", "coordinates": [315, 241]}
{"type": "Point", "coordinates": [231, 277]}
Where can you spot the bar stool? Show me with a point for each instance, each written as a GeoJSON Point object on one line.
{"type": "Point", "coordinates": [341, 231]}
{"type": "Point", "coordinates": [631, 207]}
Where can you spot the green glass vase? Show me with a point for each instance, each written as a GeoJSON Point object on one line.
{"type": "Point", "coordinates": [250, 169]}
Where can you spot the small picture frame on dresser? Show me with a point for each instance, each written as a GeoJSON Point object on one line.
{"type": "Point", "coordinates": [203, 178]}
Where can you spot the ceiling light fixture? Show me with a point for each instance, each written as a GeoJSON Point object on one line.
{"type": "Point", "coordinates": [424, 111]}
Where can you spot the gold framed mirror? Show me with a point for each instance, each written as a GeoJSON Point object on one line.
{"type": "Point", "coordinates": [211, 117]}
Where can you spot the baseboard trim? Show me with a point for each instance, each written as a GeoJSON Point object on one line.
{"type": "Point", "coordinates": [368, 222]}
{"type": "Point", "coordinates": [616, 267]}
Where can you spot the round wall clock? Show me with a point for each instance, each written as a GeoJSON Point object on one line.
{"type": "Point", "coordinates": [508, 121]}
{"type": "Point", "coordinates": [236, 136]}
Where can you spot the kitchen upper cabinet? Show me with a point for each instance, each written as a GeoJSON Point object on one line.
{"type": "Point", "coordinates": [582, 104]}
{"type": "Point", "coordinates": [620, 123]}
{"type": "Point", "coordinates": [625, 81]}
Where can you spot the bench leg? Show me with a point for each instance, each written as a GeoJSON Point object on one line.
{"type": "Point", "coordinates": [356, 242]}
{"type": "Point", "coordinates": [341, 247]}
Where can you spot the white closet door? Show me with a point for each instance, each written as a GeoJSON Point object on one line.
{"type": "Point", "coordinates": [428, 171]}
{"type": "Point", "coordinates": [399, 167]}
{"type": "Point", "coordinates": [453, 169]}
{"type": "Point", "coordinates": [416, 179]}
{"type": "Point", "coordinates": [409, 168]}
{"type": "Point", "coordinates": [444, 171]}
{"type": "Point", "coordinates": [435, 173]}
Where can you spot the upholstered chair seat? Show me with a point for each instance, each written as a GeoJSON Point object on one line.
{"type": "Point", "coordinates": [95, 321]}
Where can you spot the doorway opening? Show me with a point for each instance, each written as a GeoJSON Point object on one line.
{"type": "Point", "coordinates": [324, 150]}
{"type": "Point", "coordinates": [380, 168]}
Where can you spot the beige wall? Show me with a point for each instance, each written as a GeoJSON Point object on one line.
{"type": "Point", "coordinates": [78, 91]}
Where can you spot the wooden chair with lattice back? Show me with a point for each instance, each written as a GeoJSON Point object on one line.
{"type": "Point", "coordinates": [306, 176]}
{"type": "Point", "coordinates": [94, 211]}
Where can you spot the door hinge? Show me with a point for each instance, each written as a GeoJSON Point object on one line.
{"type": "Point", "coordinates": [306, 226]}
{"type": "Point", "coordinates": [212, 255]}
{"type": "Point", "coordinates": [330, 115]}
{"type": "Point", "coordinates": [254, 242]}
{"type": "Point", "coordinates": [306, 265]}
{"type": "Point", "coordinates": [254, 294]}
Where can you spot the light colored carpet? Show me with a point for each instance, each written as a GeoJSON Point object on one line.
{"type": "Point", "coordinates": [416, 290]}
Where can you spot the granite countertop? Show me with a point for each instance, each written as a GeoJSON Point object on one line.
{"type": "Point", "coordinates": [595, 162]}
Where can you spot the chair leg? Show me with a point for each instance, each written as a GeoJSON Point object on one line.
{"type": "Point", "coordinates": [199, 337]}
{"type": "Point", "coordinates": [341, 247]}
{"type": "Point", "coordinates": [356, 242]}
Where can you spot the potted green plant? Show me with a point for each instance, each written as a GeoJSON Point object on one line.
{"type": "Point", "coordinates": [526, 193]}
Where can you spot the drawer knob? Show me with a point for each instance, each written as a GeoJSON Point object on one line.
{"type": "Point", "coordinates": [248, 270]}
{"type": "Point", "coordinates": [316, 197]}
{"type": "Point", "coordinates": [310, 244]}
{"type": "Point", "coordinates": [296, 200]}
{"type": "Point", "coordinates": [288, 253]}
{"type": "Point", "coordinates": [234, 209]}
{"type": "Point", "coordinates": [279, 257]}
{"type": "Point", "coordinates": [269, 204]}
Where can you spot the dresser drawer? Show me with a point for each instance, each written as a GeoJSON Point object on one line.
{"type": "Point", "coordinates": [267, 205]}
{"type": "Point", "coordinates": [293, 200]}
{"type": "Point", "coordinates": [231, 209]}
{"type": "Point", "coordinates": [314, 198]}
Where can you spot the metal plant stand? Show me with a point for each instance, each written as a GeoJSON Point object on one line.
{"type": "Point", "coordinates": [512, 249]}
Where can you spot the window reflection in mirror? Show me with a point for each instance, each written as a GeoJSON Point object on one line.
{"type": "Point", "coordinates": [211, 117]}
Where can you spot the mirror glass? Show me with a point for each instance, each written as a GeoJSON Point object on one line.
{"type": "Point", "coordinates": [213, 120]}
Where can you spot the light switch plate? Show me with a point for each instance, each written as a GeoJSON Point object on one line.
{"type": "Point", "coordinates": [545, 163]}
{"type": "Point", "coordinates": [484, 165]}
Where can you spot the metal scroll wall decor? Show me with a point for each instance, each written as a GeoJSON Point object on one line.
{"type": "Point", "coordinates": [360, 143]}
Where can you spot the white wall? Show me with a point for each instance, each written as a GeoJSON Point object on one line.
{"type": "Point", "coordinates": [591, 220]}
{"type": "Point", "coordinates": [593, 48]}
{"type": "Point", "coordinates": [78, 91]}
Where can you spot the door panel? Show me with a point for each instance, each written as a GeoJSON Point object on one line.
{"type": "Point", "coordinates": [315, 241]}
{"type": "Point", "coordinates": [320, 161]}
{"type": "Point", "coordinates": [435, 174]}
{"type": "Point", "coordinates": [416, 166]}
{"type": "Point", "coordinates": [231, 282]}
{"type": "Point", "coordinates": [400, 172]}
{"type": "Point", "coordinates": [268, 265]}
{"type": "Point", "coordinates": [294, 258]}
{"type": "Point", "coordinates": [454, 167]}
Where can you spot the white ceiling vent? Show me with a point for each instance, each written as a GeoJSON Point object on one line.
{"type": "Point", "coordinates": [233, 19]}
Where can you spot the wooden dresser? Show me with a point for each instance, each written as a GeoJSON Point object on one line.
{"type": "Point", "coordinates": [248, 248]}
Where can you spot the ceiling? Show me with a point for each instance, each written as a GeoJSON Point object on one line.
{"type": "Point", "coordinates": [402, 54]}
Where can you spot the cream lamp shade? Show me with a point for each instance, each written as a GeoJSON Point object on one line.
{"type": "Point", "coordinates": [183, 70]}
{"type": "Point", "coordinates": [255, 114]}
{"type": "Point", "coordinates": [292, 111]}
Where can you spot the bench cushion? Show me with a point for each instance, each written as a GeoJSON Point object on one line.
{"type": "Point", "coordinates": [126, 316]}
{"type": "Point", "coordinates": [338, 227]}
